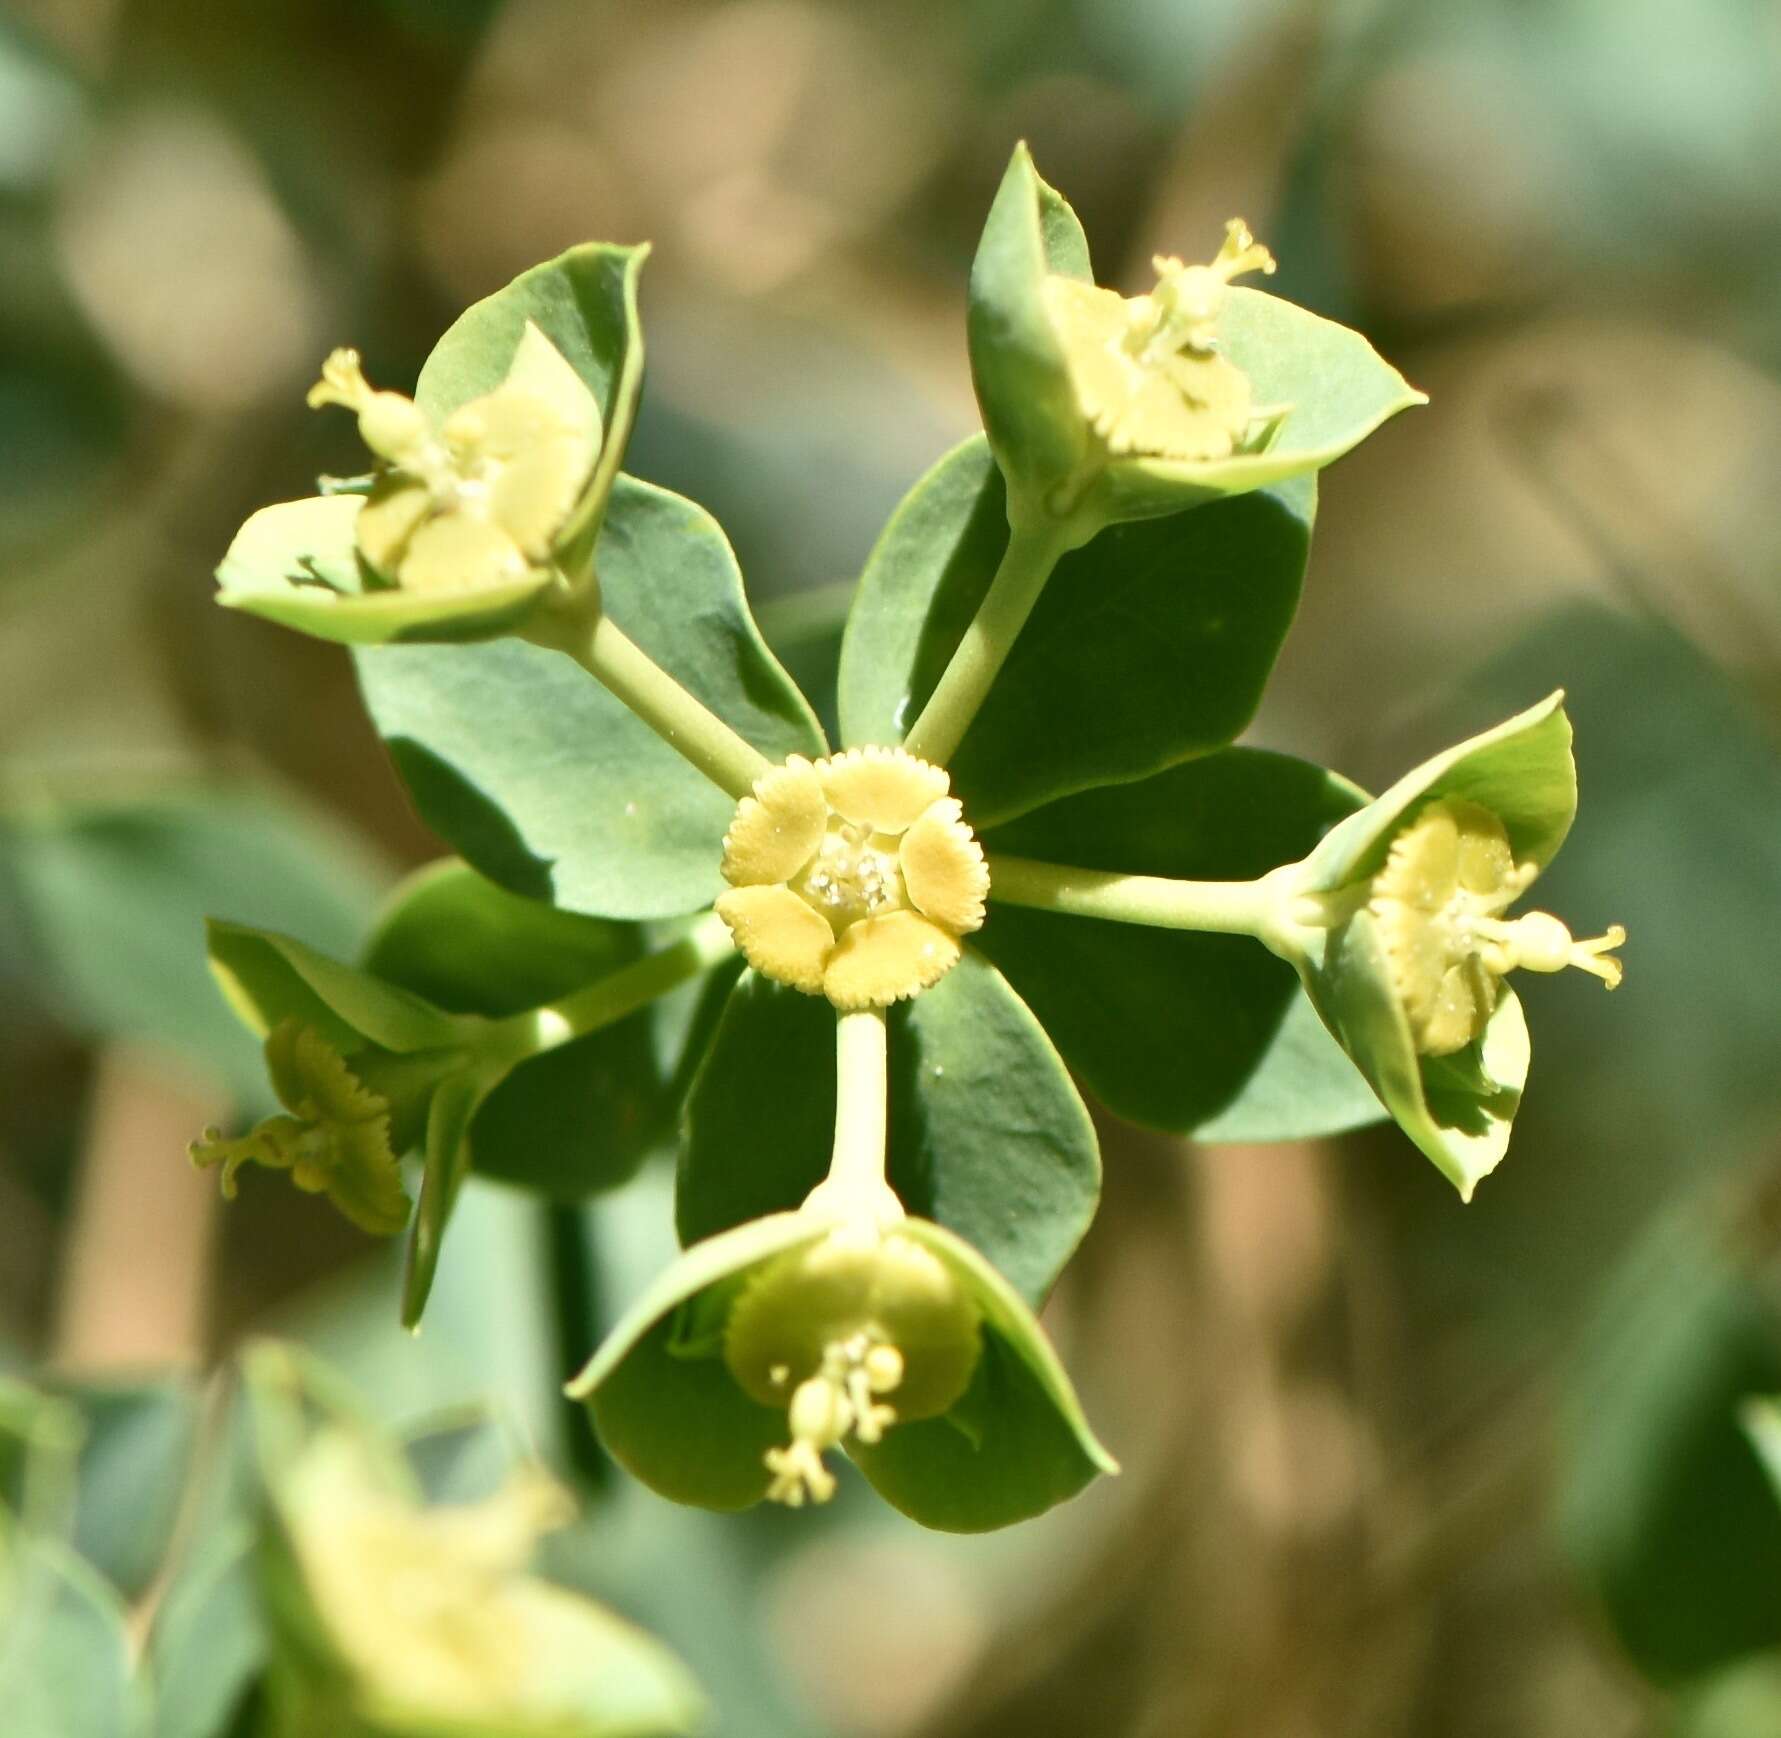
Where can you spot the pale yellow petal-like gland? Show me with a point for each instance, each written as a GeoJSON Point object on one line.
{"type": "Point", "coordinates": [1147, 371]}
{"type": "Point", "coordinates": [781, 936]}
{"type": "Point", "coordinates": [455, 552]}
{"type": "Point", "coordinates": [885, 789]}
{"type": "Point", "coordinates": [776, 830]}
{"type": "Point", "coordinates": [1437, 902]}
{"type": "Point", "coordinates": [887, 959]}
{"type": "Point", "coordinates": [826, 851]}
{"type": "Point", "coordinates": [944, 872]}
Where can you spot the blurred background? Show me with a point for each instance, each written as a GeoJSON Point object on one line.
{"type": "Point", "coordinates": [1394, 1467]}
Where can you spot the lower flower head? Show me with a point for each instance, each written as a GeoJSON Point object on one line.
{"type": "Point", "coordinates": [481, 500]}
{"type": "Point", "coordinates": [1438, 902]}
{"type": "Point", "coordinates": [853, 877]}
{"type": "Point", "coordinates": [336, 1139]}
{"type": "Point", "coordinates": [1148, 371]}
{"type": "Point", "coordinates": [849, 1336]}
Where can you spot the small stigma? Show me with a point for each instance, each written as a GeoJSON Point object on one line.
{"type": "Point", "coordinates": [840, 1400]}
{"type": "Point", "coordinates": [391, 425]}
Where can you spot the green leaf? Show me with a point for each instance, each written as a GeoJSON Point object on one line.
{"type": "Point", "coordinates": [137, 1439]}
{"type": "Point", "coordinates": [445, 1165]}
{"type": "Point", "coordinates": [208, 1645]}
{"type": "Point", "coordinates": [1742, 1701]}
{"type": "Point", "coordinates": [682, 1425]}
{"type": "Point", "coordinates": [1521, 771]}
{"type": "Point", "coordinates": [269, 978]}
{"type": "Point", "coordinates": [544, 781]}
{"type": "Point", "coordinates": [1192, 1033]}
{"type": "Point", "coordinates": [297, 564]}
{"type": "Point", "coordinates": [575, 1120]}
{"type": "Point", "coordinates": [1093, 692]}
{"type": "Point", "coordinates": [1664, 1505]}
{"type": "Point", "coordinates": [111, 897]}
{"type": "Point", "coordinates": [1017, 360]}
{"type": "Point", "coordinates": [1338, 386]}
{"type": "Point", "coordinates": [987, 1135]}
{"type": "Point", "coordinates": [64, 1650]}
{"type": "Point", "coordinates": [585, 302]}
{"type": "Point", "coordinates": [1457, 1109]}
{"type": "Point", "coordinates": [1028, 1446]}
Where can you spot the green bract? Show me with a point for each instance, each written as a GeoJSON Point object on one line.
{"type": "Point", "coordinates": [670, 1406]}
{"type": "Point", "coordinates": [1318, 388]}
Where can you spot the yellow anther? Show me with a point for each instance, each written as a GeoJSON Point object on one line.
{"type": "Point", "coordinates": [854, 876]}
{"type": "Point", "coordinates": [835, 1403]}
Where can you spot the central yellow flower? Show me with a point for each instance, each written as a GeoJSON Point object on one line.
{"type": "Point", "coordinates": [853, 877]}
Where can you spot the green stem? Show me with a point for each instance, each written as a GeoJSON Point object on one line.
{"type": "Point", "coordinates": [1033, 551]}
{"type": "Point", "coordinates": [855, 1186]}
{"type": "Point", "coordinates": [1259, 908]}
{"type": "Point", "coordinates": [685, 723]}
{"type": "Point", "coordinates": [609, 1000]}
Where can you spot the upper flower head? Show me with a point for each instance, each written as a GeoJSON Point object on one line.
{"type": "Point", "coordinates": [480, 501]}
{"type": "Point", "coordinates": [853, 876]}
{"type": "Point", "coordinates": [1148, 371]}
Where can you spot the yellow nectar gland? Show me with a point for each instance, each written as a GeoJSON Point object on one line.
{"type": "Point", "coordinates": [1148, 371]}
{"type": "Point", "coordinates": [849, 1336]}
{"type": "Point", "coordinates": [1438, 903]}
{"type": "Point", "coordinates": [853, 877]}
{"type": "Point", "coordinates": [480, 501]}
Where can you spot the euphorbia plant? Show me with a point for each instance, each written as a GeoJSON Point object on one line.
{"type": "Point", "coordinates": [1035, 832]}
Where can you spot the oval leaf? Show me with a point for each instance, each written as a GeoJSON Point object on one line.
{"type": "Point", "coordinates": [549, 785]}
{"type": "Point", "coordinates": [1093, 692]}
{"type": "Point", "coordinates": [1172, 1029]}
{"type": "Point", "coordinates": [988, 1138]}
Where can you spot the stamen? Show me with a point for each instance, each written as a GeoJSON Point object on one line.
{"type": "Point", "coordinates": [826, 1408]}
{"type": "Point", "coordinates": [343, 383]}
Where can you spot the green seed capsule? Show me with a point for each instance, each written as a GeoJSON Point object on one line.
{"type": "Point", "coordinates": [854, 1288]}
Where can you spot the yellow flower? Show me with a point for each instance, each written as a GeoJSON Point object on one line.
{"type": "Point", "coordinates": [853, 877]}
{"type": "Point", "coordinates": [1438, 903]}
{"type": "Point", "coordinates": [1148, 371]}
{"type": "Point", "coordinates": [481, 500]}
